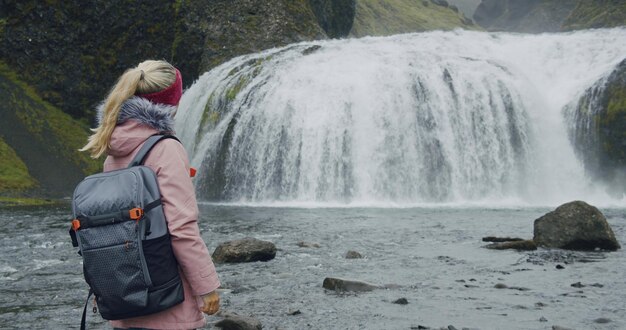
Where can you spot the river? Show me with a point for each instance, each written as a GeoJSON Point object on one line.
{"type": "Point", "coordinates": [432, 256]}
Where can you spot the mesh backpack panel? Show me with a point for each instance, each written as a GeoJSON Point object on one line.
{"type": "Point", "coordinates": [121, 230]}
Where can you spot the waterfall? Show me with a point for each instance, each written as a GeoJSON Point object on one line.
{"type": "Point", "coordinates": [437, 117]}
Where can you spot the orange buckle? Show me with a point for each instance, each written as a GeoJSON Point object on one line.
{"type": "Point", "coordinates": [136, 213]}
{"type": "Point", "coordinates": [192, 172]}
{"type": "Point", "coordinates": [76, 224]}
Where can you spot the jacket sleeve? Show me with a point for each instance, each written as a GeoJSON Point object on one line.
{"type": "Point", "coordinates": [170, 162]}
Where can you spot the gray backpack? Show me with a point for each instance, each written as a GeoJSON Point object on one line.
{"type": "Point", "coordinates": [120, 229]}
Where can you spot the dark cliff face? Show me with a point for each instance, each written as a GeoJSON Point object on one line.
{"type": "Point", "coordinates": [335, 17]}
{"type": "Point", "coordinates": [229, 28]}
{"type": "Point", "coordinates": [69, 53]}
{"type": "Point", "coordinates": [72, 51]}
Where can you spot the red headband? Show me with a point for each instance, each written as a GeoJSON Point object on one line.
{"type": "Point", "coordinates": [170, 95]}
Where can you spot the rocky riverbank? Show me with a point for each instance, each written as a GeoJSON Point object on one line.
{"type": "Point", "coordinates": [572, 222]}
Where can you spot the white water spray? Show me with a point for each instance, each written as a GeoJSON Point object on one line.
{"type": "Point", "coordinates": [439, 117]}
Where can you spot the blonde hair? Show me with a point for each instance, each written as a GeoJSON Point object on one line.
{"type": "Point", "coordinates": [148, 77]}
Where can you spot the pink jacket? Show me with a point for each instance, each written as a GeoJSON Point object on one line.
{"type": "Point", "coordinates": [170, 162]}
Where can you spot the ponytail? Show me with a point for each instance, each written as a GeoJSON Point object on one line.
{"type": "Point", "coordinates": [149, 76]}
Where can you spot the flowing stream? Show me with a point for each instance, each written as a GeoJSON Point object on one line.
{"type": "Point", "coordinates": [433, 257]}
{"type": "Point", "coordinates": [417, 119]}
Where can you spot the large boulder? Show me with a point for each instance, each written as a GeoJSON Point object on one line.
{"type": "Point", "coordinates": [575, 226]}
{"type": "Point", "coordinates": [244, 250]}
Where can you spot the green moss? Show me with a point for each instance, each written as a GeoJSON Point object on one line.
{"type": "Point", "coordinates": [617, 103]}
{"type": "Point", "coordinates": [214, 117]}
{"type": "Point", "coordinates": [231, 92]}
{"type": "Point", "coordinates": [69, 134]}
{"type": "Point", "coordinates": [13, 202]}
{"type": "Point", "coordinates": [13, 172]}
{"type": "Point", "coordinates": [596, 14]}
{"type": "Point", "coordinates": [379, 18]}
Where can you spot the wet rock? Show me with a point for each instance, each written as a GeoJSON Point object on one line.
{"type": "Point", "coordinates": [560, 267]}
{"type": "Point", "coordinates": [353, 255]}
{"type": "Point", "coordinates": [244, 250]}
{"type": "Point", "coordinates": [527, 245]}
{"type": "Point", "coordinates": [342, 285]}
{"type": "Point", "coordinates": [519, 288]}
{"type": "Point", "coordinates": [556, 327]}
{"type": "Point", "coordinates": [308, 244]}
{"type": "Point", "coordinates": [577, 285]}
{"type": "Point", "coordinates": [294, 312]}
{"type": "Point", "coordinates": [420, 327]}
{"type": "Point", "coordinates": [451, 327]}
{"type": "Point", "coordinates": [543, 319]}
{"type": "Point", "coordinates": [575, 226]}
{"type": "Point", "coordinates": [401, 301]}
{"type": "Point", "coordinates": [311, 50]}
{"type": "Point", "coordinates": [501, 239]}
{"type": "Point", "coordinates": [602, 320]}
{"type": "Point", "coordinates": [233, 321]}
{"type": "Point", "coordinates": [504, 286]}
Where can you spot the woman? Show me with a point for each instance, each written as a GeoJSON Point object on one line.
{"type": "Point", "coordinates": [142, 103]}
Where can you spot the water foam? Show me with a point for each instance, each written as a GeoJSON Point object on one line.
{"type": "Point", "coordinates": [464, 118]}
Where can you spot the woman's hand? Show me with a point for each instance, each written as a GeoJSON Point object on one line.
{"type": "Point", "coordinates": [211, 303]}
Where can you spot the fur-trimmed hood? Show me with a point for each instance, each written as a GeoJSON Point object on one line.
{"type": "Point", "coordinates": [138, 119]}
{"type": "Point", "coordinates": [154, 115]}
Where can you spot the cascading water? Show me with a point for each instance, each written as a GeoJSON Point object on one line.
{"type": "Point", "coordinates": [439, 117]}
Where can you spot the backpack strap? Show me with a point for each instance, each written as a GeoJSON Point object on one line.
{"type": "Point", "coordinates": [84, 318]}
{"type": "Point", "coordinates": [147, 146]}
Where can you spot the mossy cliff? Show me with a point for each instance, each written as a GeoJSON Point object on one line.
{"type": "Point", "coordinates": [14, 174]}
{"type": "Point", "coordinates": [596, 14]}
{"type": "Point", "coordinates": [71, 52]}
{"type": "Point", "coordinates": [600, 129]}
{"type": "Point", "coordinates": [378, 18]}
{"type": "Point", "coordinates": [530, 16]}
{"type": "Point", "coordinates": [223, 29]}
{"type": "Point", "coordinates": [38, 143]}
{"type": "Point", "coordinates": [535, 16]}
